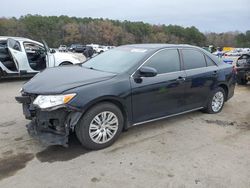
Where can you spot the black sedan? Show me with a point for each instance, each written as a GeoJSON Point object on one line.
{"type": "Point", "coordinates": [123, 87]}
{"type": "Point", "coordinates": [79, 48]}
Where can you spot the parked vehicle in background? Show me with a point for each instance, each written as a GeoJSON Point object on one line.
{"type": "Point", "coordinates": [63, 48]}
{"type": "Point", "coordinates": [219, 52]}
{"type": "Point", "coordinates": [123, 87]}
{"type": "Point", "coordinates": [234, 52]}
{"type": "Point", "coordinates": [100, 48]}
{"type": "Point", "coordinates": [22, 57]}
{"type": "Point", "coordinates": [243, 69]}
{"type": "Point", "coordinates": [237, 52]}
{"type": "Point", "coordinates": [79, 48]}
{"type": "Point", "coordinates": [94, 46]}
{"type": "Point", "coordinates": [88, 51]}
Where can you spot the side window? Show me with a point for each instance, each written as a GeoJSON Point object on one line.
{"type": "Point", "coordinates": [209, 61]}
{"type": "Point", "coordinates": [14, 44]}
{"type": "Point", "coordinates": [32, 47]}
{"type": "Point", "coordinates": [3, 44]}
{"type": "Point", "coordinates": [165, 61]}
{"type": "Point", "coordinates": [193, 59]}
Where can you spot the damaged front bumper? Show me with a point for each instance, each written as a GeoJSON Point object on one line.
{"type": "Point", "coordinates": [51, 126]}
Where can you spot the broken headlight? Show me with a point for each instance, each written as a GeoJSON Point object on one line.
{"type": "Point", "coordinates": [48, 101]}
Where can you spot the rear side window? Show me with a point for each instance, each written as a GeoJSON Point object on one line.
{"type": "Point", "coordinates": [14, 44]}
{"type": "Point", "coordinates": [165, 61]}
{"type": "Point", "coordinates": [209, 61]}
{"type": "Point", "coordinates": [193, 59]}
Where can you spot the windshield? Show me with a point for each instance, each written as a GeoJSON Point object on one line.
{"type": "Point", "coordinates": [117, 60]}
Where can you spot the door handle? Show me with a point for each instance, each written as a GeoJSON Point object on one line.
{"type": "Point", "coordinates": [181, 79]}
{"type": "Point", "coordinates": [214, 73]}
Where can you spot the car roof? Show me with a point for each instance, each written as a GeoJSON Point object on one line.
{"type": "Point", "coordinates": [155, 47]}
{"type": "Point", "coordinates": [18, 39]}
{"type": "Point", "coordinates": [158, 46]}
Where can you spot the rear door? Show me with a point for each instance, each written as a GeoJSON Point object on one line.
{"type": "Point", "coordinates": [18, 54]}
{"type": "Point", "coordinates": [201, 77]}
{"type": "Point", "coordinates": [162, 95]}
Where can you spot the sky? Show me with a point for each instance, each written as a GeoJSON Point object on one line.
{"type": "Point", "coordinates": [206, 15]}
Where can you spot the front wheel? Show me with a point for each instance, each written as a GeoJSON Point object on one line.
{"type": "Point", "coordinates": [216, 101]}
{"type": "Point", "coordinates": [100, 126]}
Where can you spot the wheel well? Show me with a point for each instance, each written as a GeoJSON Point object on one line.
{"type": "Point", "coordinates": [223, 86]}
{"type": "Point", "coordinates": [115, 102]}
{"type": "Point", "coordinates": [65, 63]}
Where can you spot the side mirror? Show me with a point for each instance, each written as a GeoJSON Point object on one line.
{"type": "Point", "coordinates": [147, 72]}
{"type": "Point", "coordinates": [52, 51]}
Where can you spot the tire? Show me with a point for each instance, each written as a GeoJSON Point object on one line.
{"type": "Point", "coordinates": [65, 63]}
{"type": "Point", "coordinates": [88, 126]}
{"type": "Point", "coordinates": [211, 107]}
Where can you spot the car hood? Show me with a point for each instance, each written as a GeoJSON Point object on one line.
{"type": "Point", "coordinates": [59, 79]}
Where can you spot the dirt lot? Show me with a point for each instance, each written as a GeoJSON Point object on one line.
{"type": "Point", "coordinates": [192, 150]}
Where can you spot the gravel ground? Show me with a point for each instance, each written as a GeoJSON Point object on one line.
{"type": "Point", "coordinates": [192, 150]}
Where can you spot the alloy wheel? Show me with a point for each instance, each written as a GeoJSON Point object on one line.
{"type": "Point", "coordinates": [103, 127]}
{"type": "Point", "coordinates": [217, 101]}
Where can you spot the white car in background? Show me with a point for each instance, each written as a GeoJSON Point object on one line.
{"type": "Point", "coordinates": [22, 57]}
{"type": "Point", "coordinates": [63, 48]}
{"type": "Point", "coordinates": [238, 52]}
{"type": "Point", "coordinates": [235, 52]}
{"type": "Point", "coordinates": [100, 48]}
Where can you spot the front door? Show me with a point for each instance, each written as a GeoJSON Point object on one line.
{"type": "Point", "coordinates": [162, 95]}
{"type": "Point", "coordinates": [36, 54]}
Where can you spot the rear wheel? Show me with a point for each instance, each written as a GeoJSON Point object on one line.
{"type": "Point", "coordinates": [216, 101]}
{"type": "Point", "coordinates": [100, 126]}
{"type": "Point", "coordinates": [65, 63]}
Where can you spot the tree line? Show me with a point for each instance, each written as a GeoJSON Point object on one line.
{"type": "Point", "coordinates": [58, 30]}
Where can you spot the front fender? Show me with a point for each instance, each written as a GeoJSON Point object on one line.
{"type": "Point", "coordinates": [117, 91]}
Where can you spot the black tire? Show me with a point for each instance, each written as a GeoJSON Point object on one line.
{"type": "Point", "coordinates": [83, 127]}
{"type": "Point", "coordinates": [65, 63]}
{"type": "Point", "coordinates": [209, 108]}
